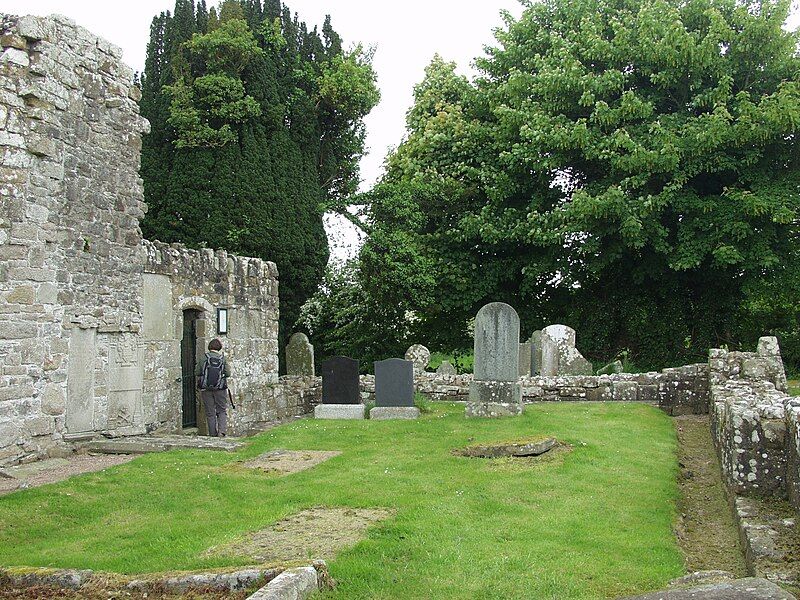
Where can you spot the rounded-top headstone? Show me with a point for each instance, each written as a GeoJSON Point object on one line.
{"type": "Point", "coordinates": [561, 334]}
{"type": "Point", "coordinates": [419, 355]}
{"type": "Point", "coordinates": [299, 356]}
{"type": "Point", "coordinates": [496, 343]}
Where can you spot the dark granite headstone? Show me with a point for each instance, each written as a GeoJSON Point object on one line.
{"type": "Point", "coordinates": [394, 382]}
{"type": "Point", "coordinates": [340, 381]}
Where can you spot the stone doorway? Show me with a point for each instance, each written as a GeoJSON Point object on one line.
{"type": "Point", "coordinates": [188, 361]}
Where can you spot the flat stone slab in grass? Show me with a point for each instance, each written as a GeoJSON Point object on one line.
{"type": "Point", "coordinates": [53, 470]}
{"type": "Point", "coordinates": [520, 448]}
{"type": "Point", "coordinates": [289, 461]}
{"type": "Point", "coordinates": [146, 444]}
{"type": "Point", "coordinates": [316, 533]}
{"type": "Point", "coordinates": [750, 588]}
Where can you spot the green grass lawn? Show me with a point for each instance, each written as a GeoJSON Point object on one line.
{"type": "Point", "coordinates": [596, 523]}
{"type": "Point", "coordinates": [794, 387]}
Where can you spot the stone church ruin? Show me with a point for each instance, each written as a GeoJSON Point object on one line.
{"type": "Point", "coordinates": [99, 327]}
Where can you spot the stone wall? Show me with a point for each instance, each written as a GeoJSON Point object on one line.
{"type": "Point", "coordinates": [91, 316]}
{"type": "Point", "coordinates": [682, 390]}
{"type": "Point", "coordinates": [177, 279]}
{"type": "Point", "coordinates": [69, 237]}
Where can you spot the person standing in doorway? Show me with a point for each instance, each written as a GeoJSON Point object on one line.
{"type": "Point", "coordinates": [212, 373]}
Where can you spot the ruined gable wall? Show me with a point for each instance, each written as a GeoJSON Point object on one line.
{"type": "Point", "coordinates": [70, 201]}
{"type": "Point", "coordinates": [90, 314]}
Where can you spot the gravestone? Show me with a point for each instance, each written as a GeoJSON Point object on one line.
{"type": "Point", "coordinates": [125, 384]}
{"type": "Point", "coordinates": [559, 354]}
{"type": "Point", "coordinates": [525, 359]}
{"type": "Point", "coordinates": [394, 390]}
{"type": "Point", "coordinates": [79, 412]}
{"type": "Point", "coordinates": [341, 395]}
{"type": "Point", "coordinates": [494, 391]}
{"type": "Point", "coordinates": [446, 368]}
{"type": "Point", "coordinates": [420, 356]}
{"type": "Point", "coordinates": [299, 356]}
{"type": "Point", "coordinates": [536, 352]}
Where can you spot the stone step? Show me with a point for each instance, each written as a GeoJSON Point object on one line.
{"type": "Point", "coordinates": [146, 444]}
{"type": "Point", "coordinates": [750, 588]}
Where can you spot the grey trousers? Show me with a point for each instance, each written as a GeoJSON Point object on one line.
{"type": "Point", "coordinates": [216, 405]}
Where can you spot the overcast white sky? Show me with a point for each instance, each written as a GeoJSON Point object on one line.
{"type": "Point", "coordinates": [405, 34]}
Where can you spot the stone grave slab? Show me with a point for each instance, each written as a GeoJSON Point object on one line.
{"type": "Point", "coordinates": [446, 368]}
{"type": "Point", "coordinates": [339, 411]}
{"type": "Point", "coordinates": [317, 533]}
{"type": "Point", "coordinates": [286, 462]}
{"type": "Point", "coordinates": [383, 413]}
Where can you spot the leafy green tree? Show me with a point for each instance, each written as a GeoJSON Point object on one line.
{"type": "Point", "coordinates": [256, 130]}
{"type": "Point", "coordinates": [627, 166]}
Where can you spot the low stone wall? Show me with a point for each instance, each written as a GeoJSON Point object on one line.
{"type": "Point", "coordinates": [682, 390]}
{"type": "Point", "coordinates": [749, 428]}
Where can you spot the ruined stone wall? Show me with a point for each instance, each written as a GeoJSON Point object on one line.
{"type": "Point", "coordinates": [753, 420]}
{"type": "Point", "coordinates": [69, 237]}
{"type": "Point", "coordinates": [177, 279]}
{"type": "Point", "coordinates": [91, 316]}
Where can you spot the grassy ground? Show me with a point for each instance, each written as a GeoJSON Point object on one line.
{"type": "Point", "coordinates": [794, 387]}
{"type": "Point", "coordinates": [595, 522]}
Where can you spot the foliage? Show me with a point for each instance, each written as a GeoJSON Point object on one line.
{"type": "Point", "coordinates": [256, 130]}
{"type": "Point", "coordinates": [594, 523]}
{"type": "Point", "coordinates": [628, 167]}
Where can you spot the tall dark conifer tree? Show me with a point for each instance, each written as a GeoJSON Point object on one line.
{"type": "Point", "coordinates": [263, 194]}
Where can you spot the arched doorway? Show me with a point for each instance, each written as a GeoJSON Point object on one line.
{"type": "Point", "coordinates": [191, 317]}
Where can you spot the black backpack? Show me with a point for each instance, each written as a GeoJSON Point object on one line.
{"type": "Point", "coordinates": [213, 377]}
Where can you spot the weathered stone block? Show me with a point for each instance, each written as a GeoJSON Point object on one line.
{"type": "Point", "coordinates": [339, 411]}
{"type": "Point", "coordinates": [380, 413]}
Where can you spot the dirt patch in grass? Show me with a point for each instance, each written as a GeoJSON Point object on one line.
{"type": "Point", "coordinates": [519, 464]}
{"type": "Point", "coordinates": [56, 469]}
{"type": "Point", "coordinates": [285, 462]}
{"type": "Point", "coordinates": [706, 530]}
{"type": "Point", "coordinates": [317, 533]}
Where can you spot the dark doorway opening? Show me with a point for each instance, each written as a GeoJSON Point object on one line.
{"type": "Point", "coordinates": [188, 362]}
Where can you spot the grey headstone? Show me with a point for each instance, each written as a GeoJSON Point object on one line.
{"type": "Point", "coordinates": [555, 341]}
{"type": "Point", "coordinates": [79, 411]}
{"type": "Point", "coordinates": [394, 382]}
{"type": "Point", "coordinates": [299, 356]}
{"type": "Point", "coordinates": [340, 381]}
{"type": "Point", "coordinates": [496, 343]}
{"type": "Point", "coordinates": [536, 352]}
{"type": "Point", "coordinates": [419, 355]}
{"type": "Point", "coordinates": [525, 359]}
{"type": "Point", "coordinates": [446, 368]}
{"type": "Point", "coordinates": [494, 390]}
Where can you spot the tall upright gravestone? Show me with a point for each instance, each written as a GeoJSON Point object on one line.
{"type": "Point", "coordinates": [494, 391]}
{"type": "Point", "coordinates": [559, 354]}
{"type": "Point", "coordinates": [299, 356]}
{"type": "Point", "coordinates": [394, 390]}
{"type": "Point", "coordinates": [341, 393]}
